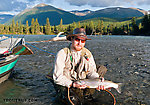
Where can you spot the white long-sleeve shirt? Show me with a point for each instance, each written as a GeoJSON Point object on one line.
{"type": "Point", "coordinates": [60, 63]}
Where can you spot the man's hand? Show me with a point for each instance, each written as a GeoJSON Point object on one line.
{"type": "Point", "coordinates": [101, 87]}
{"type": "Point", "coordinates": [79, 86]}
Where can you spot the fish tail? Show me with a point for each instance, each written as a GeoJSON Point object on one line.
{"type": "Point", "coordinates": [119, 89]}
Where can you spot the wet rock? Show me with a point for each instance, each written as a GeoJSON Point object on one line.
{"type": "Point", "coordinates": [118, 59]}
{"type": "Point", "coordinates": [133, 55]}
{"type": "Point", "coordinates": [137, 73]}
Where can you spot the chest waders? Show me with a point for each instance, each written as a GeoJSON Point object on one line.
{"type": "Point", "coordinates": [77, 96]}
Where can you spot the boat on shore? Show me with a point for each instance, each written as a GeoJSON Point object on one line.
{"type": "Point", "coordinates": [10, 50]}
{"type": "Point", "coordinates": [59, 38]}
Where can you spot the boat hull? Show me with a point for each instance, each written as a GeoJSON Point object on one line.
{"type": "Point", "coordinates": [6, 68]}
{"type": "Point", "coordinates": [10, 49]}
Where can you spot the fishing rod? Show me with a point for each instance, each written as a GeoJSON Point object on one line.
{"type": "Point", "coordinates": [44, 41]}
{"type": "Point", "coordinates": [4, 39]}
{"type": "Point", "coordinates": [40, 49]}
{"type": "Point", "coordinates": [49, 39]}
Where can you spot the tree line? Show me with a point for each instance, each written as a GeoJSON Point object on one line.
{"type": "Point", "coordinates": [132, 28]}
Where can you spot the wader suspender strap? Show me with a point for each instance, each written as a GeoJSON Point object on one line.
{"type": "Point", "coordinates": [85, 52]}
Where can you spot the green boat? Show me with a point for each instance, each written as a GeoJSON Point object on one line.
{"type": "Point", "coordinates": [10, 50]}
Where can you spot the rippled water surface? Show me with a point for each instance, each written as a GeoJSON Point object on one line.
{"type": "Point", "coordinates": [127, 60]}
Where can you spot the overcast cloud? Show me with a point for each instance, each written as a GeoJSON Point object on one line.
{"type": "Point", "coordinates": [19, 5]}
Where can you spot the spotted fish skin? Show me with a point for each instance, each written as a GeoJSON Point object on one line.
{"type": "Point", "coordinates": [94, 83]}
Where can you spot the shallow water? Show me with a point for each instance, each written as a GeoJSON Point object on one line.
{"type": "Point", "coordinates": [126, 57]}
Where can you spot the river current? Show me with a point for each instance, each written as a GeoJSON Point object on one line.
{"type": "Point", "coordinates": [127, 59]}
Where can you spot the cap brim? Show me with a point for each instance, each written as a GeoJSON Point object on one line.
{"type": "Point", "coordinates": [83, 38]}
{"type": "Point", "coordinates": [77, 36]}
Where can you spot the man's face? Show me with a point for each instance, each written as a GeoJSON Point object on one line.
{"type": "Point", "coordinates": [78, 44]}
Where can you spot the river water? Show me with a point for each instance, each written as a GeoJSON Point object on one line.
{"type": "Point", "coordinates": [127, 59]}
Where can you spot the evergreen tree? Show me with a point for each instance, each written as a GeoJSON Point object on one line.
{"type": "Point", "coordinates": [102, 27]}
{"type": "Point", "coordinates": [131, 29]}
{"type": "Point", "coordinates": [61, 25]}
{"type": "Point", "coordinates": [79, 26]}
{"type": "Point", "coordinates": [74, 25]}
{"type": "Point", "coordinates": [140, 26]}
{"type": "Point", "coordinates": [88, 29]}
{"type": "Point", "coordinates": [92, 27]}
{"type": "Point", "coordinates": [17, 27]}
{"type": "Point", "coordinates": [146, 23]}
{"type": "Point", "coordinates": [69, 28]}
{"type": "Point", "coordinates": [48, 27]}
{"type": "Point", "coordinates": [135, 27]}
{"type": "Point", "coordinates": [105, 30]}
{"type": "Point", "coordinates": [128, 29]}
{"type": "Point", "coordinates": [52, 29]}
{"type": "Point", "coordinates": [55, 29]}
{"type": "Point", "coordinates": [32, 26]}
{"type": "Point", "coordinates": [99, 26]}
{"type": "Point", "coordinates": [41, 29]}
{"type": "Point", "coordinates": [27, 28]}
{"type": "Point", "coordinates": [111, 28]}
{"type": "Point", "coordinates": [20, 28]}
{"type": "Point", "coordinates": [13, 26]}
{"type": "Point", "coordinates": [84, 26]}
{"type": "Point", "coordinates": [1, 28]}
{"type": "Point", "coordinates": [7, 29]}
{"type": "Point", "coordinates": [37, 27]}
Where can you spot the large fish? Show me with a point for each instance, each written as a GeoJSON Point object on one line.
{"type": "Point", "coordinates": [94, 83]}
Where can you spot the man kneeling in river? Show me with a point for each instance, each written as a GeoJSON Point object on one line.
{"type": "Point", "coordinates": [73, 63]}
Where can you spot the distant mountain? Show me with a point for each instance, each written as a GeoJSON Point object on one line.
{"type": "Point", "coordinates": [81, 13]}
{"type": "Point", "coordinates": [141, 10]}
{"type": "Point", "coordinates": [43, 11]}
{"type": "Point", "coordinates": [5, 17]}
{"type": "Point", "coordinates": [117, 12]}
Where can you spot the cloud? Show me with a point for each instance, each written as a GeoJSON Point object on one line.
{"type": "Point", "coordinates": [95, 3]}
{"type": "Point", "coordinates": [16, 6]}
{"type": "Point", "coordinates": [106, 3]}
{"type": "Point", "coordinates": [143, 2]}
{"type": "Point", "coordinates": [32, 3]}
{"type": "Point", "coordinates": [19, 5]}
{"type": "Point", "coordinates": [9, 5]}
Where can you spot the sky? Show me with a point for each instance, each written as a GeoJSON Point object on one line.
{"type": "Point", "coordinates": [16, 6]}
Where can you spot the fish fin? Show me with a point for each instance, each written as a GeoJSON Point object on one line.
{"type": "Point", "coordinates": [119, 87]}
